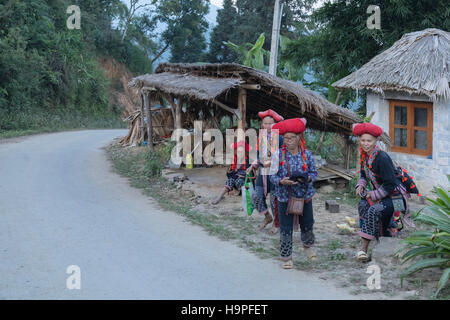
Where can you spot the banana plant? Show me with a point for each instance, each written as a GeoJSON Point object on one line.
{"type": "Point", "coordinates": [252, 55]}
{"type": "Point", "coordinates": [431, 248]}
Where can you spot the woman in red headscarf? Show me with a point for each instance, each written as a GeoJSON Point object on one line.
{"type": "Point", "coordinates": [236, 172]}
{"type": "Point", "coordinates": [267, 143]}
{"type": "Point", "coordinates": [376, 207]}
{"type": "Point", "coordinates": [293, 173]}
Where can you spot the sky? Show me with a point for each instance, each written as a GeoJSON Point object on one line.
{"type": "Point", "coordinates": [217, 2]}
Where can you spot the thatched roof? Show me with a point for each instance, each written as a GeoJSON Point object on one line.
{"type": "Point", "coordinates": [418, 63]}
{"type": "Point", "coordinates": [208, 82]}
{"type": "Point", "coordinates": [201, 88]}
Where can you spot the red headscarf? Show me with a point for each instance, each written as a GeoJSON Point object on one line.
{"type": "Point", "coordinates": [270, 113]}
{"type": "Point", "coordinates": [296, 125]}
{"type": "Point", "coordinates": [361, 128]}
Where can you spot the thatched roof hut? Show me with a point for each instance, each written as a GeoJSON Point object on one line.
{"type": "Point", "coordinates": [408, 93]}
{"type": "Point", "coordinates": [220, 84]}
{"type": "Point", "coordinates": [418, 63]}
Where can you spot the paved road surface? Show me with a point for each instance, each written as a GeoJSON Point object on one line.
{"type": "Point", "coordinates": [61, 204]}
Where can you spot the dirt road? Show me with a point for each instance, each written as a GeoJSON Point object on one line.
{"type": "Point", "coordinates": [61, 204]}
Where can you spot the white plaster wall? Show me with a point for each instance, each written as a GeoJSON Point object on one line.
{"type": "Point", "coordinates": [426, 172]}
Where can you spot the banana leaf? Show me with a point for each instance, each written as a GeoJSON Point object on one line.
{"type": "Point", "coordinates": [418, 251]}
{"type": "Point", "coordinates": [442, 281]}
{"type": "Point", "coordinates": [426, 263]}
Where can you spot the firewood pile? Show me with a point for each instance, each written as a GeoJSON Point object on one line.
{"type": "Point", "coordinates": [162, 122]}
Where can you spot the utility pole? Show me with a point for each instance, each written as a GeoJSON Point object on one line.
{"type": "Point", "coordinates": [277, 12]}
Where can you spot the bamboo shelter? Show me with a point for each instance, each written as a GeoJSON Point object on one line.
{"type": "Point", "coordinates": [212, 91]}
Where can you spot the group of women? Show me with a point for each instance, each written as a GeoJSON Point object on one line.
{"type": "Point", "coordinates": [288, 176]}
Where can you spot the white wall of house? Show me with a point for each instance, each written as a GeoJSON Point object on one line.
{"type": "Point", "coordinates": [426, 172]}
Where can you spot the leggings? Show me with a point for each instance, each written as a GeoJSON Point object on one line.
{"type": "Point", "coordinates": [259, 200]}
{"type": "Point", "coordinates": [287, 225]}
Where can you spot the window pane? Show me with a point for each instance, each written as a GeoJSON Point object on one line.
{"type": "Point", "coordinates": [400, 137]}
{"type": "Point", "coordinates": [401, 115]}
{"type": "Point", "coordinates": [420, 117]}
{"type": "Point", "coordinates": [420, 139]}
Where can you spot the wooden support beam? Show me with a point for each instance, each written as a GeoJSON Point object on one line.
{"type": "Point", "coordinates": [237, 112]}
{"type": "Point", "coordinates": [173, 108]}
{"type": "Point", "coordinates": [251, 86]}
{"type": "Point", "coordinates": [242, 104]}
{"type": "Point", "coordinates": [149, 120]}
{"type": "Point", "coordinates": [348, 150]}
{"type": "Point", "coordinates": [178, 112]}
{"type": "Point", "coordinates": [142, 126]}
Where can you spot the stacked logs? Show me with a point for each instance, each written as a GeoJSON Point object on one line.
{"type": "Point", "coordinates": [162, 121]}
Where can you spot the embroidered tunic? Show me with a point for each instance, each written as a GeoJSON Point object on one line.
{"type": "Point", "coordinates": [296, 163]}
{"type": "Point", "coordinates": [375, 218]}
{"type": "Point", "coordinates": [379, 170]}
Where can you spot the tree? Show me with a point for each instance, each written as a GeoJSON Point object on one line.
{"type": "Point", "coordinates": [134, 6]}
{"type": "Point", "coordinates": [255, 17]}
{"type": "Point", "coordinates": [186, 24]}
{"type": "Point", "coordinates": [222, 33]}
{"type": "Point", "coordinates": [336, 40]}
{"type": "Point", "coordinates": [50, 75]}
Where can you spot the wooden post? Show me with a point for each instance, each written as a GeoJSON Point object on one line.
{"type": "Point", "coordinates": [347, 152]}
{"type": "Point", "coordinates": [178, 113]}
{"type": "Point", "coordinates": [242, 104]}
{"type": "Point", "coordinates": [142, 117]}
{"type": "Point", "coordinates": [169, 98]}
{"type": "Point", "coordinates": [149, 120]}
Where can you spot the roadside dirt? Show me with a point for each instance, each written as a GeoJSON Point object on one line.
{"type": "Point", "coordinates": [336, 250]}
{"type": "Point", "coordinates": [190, 192]}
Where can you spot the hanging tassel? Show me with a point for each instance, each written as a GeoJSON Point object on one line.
{"type": "Point", "coordinates": [303, 148]}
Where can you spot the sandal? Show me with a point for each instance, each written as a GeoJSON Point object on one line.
{"type": "Point", "coordinates": [216, 201]}
{"type": "Point", "coordinates": [362, 256]}
{"type": "Point", "coordinates": [273, 230]}
{"type": "Point", "coordinates": [310, 253]}
{"type": "Point", "coordinates": [287, 264]}
{"type": "Point", "coordinates": [265, 223]}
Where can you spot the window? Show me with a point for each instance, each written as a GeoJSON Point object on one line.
{"type": "Point", "coordinates": [411, 127]}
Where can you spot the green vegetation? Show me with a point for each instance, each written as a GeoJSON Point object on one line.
{"type": "Point", "coordinates": [335, 41]}
{"type": "Point", "coordinates": [431, 248]}
{"type": "Point", "coordinates": [252, 55]}
{"type": "Point", "coordinates": [186, 25]}
{"type": "Point", "coordinates": [50, 77]}
{"type": "Point", "coordinates": [222, 33]}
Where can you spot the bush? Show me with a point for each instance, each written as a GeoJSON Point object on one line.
{"type": "Point", "coordinates": [158, 159]}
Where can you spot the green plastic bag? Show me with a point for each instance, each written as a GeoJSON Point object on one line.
{"type": "Point", "coordinates": [247, 192]}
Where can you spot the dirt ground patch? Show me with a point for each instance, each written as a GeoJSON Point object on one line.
{"type": "Point", "coordinates": [335, 251]}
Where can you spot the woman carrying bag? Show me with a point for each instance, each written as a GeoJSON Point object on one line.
{"type": "Point", "coordinates": [263, 185]}
{"type": "Point", "coordinates": [292, 173]}
{"type": "Point", "coordinates": [377, 206]}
